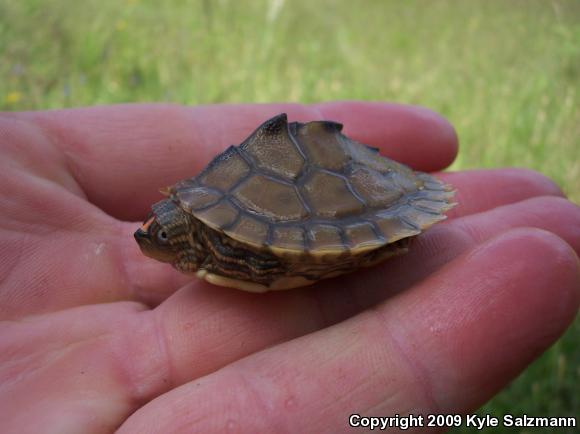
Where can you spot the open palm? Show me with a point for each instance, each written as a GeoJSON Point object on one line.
{"type": "Point", "coordinates": [95, 336]}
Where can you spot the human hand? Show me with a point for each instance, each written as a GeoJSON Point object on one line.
{"type": "Point", "coordinates": [95, 336]}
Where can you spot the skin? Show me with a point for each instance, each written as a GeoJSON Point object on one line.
{"type": "Point", "coordinates": [97, 337]}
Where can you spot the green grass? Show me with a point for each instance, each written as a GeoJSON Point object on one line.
{"type": "Point", "coordinates": [507, 74]}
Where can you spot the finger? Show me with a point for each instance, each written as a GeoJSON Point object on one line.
{"type": "Point", "coordinates": [66, 360]}
{"type": "Point", "coordinates": [445, 347]}
{"type": "Point", "coordinates": [215, 327]}
{"type": "Point", "coordinates": [122, 155]}
{"type": "Point", "coordinates": [480, 190]}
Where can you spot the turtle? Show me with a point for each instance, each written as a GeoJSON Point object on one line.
{"type": "Point", "coordinates": [294, 203]}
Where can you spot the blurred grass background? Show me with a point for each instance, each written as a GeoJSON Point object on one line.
{"type": "Point", "coordinates": [506, 74]}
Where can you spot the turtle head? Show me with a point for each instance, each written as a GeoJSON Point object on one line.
{"type": "Point", "coordinates": [164, 234]}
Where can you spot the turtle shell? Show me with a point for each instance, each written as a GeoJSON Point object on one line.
{"type": "Point", "coordinates": [296, 189]}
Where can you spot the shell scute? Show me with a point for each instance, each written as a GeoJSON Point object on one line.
{"type": "Point", "coordinates": [219, 216]}
{"type": "Point", "coordinates": [194, 198]}
{"type": "Point", "coordinates": [376, 188]}
{"type": "Point", "coordinates": [363, 236]}
{"type": "Point", "coordinates": [265, 197]}
{"type": "Point", "coordinates": [329, 196]}
{"type": "Point", "coordinates": [251, 231]}
{"type": "Point", "coordinates": [289, 237]}
{"type": "Point", "coordinates": [326, 237]}
{"type": "Point", "coordinates": [273, 150]}
{"type": "Point", "coordinates": [406, 183]}
{"type": "Point", "coordinates": [225, 170]}
{"type": "Point", "coordinates": [394, 225]}
{"type": "Point", "coordinates": [322, 145]}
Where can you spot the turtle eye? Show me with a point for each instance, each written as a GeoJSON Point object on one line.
{"type": "Point", "coordinates": [162, 236]}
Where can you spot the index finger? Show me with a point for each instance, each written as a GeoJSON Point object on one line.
{"type": "Point", "coordinates": [121, 155]}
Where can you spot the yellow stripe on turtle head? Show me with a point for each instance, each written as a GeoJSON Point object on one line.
{"type": "Point", "coordinates": [145, 226]}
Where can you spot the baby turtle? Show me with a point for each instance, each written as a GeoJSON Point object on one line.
{"type": "Point", "coordinates": [293, 204]}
